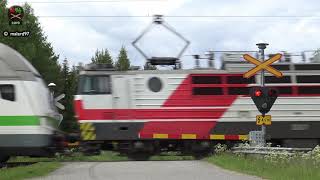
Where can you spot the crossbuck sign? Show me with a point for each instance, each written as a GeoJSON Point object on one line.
{"type": "Point", "coordinates": [262, 65]}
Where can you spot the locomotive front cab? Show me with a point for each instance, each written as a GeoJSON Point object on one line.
{"type": "Point", "coordinates": [95, 91]}
{"type": "Point", "coordinates": [101, 102]}
{"type": "Point", "coordinates": [95, 84]}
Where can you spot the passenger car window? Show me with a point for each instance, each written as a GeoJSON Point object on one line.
{"type": "Point", "coordinates": [7, 92]}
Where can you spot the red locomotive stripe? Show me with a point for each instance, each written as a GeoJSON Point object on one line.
{"type": "Point", "coordinates": [177, 99]}
{"type": "Point", "coordinates": [140, 114]}
{"type": "Point", "coordinates": [78, 108]}
{"type": "Point", "coordinates": [175, 129]}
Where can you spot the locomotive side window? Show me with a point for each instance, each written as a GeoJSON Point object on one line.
{"type": "Point", "coordinates": [238, 90]}
{"type": "Point", "coordinates": [273, 79]}
{"type": "Point", "coordinates": [207, 91]}
{"type": "Point", "coordinates": [284, 90]}
{"type": "Point", "coordinates": [206, 80]}
{"type": "Point", "coordinates": [95, 85]}
{"type": "Point", "coordinates": [240, 80]}
{"type": "Point", "coordinates": [309, 90]}
{"type": "Point", "coordinates": [7, 92]}
{"type": "Point", "coordinates": [307, 67]}
{"type": "Point", "coordinates": [308, 79]}
{"type": "Point", "coordinates": [281, 67]}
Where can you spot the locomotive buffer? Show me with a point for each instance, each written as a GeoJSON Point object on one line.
{"type": "Point", "coordinates": [263, 97]}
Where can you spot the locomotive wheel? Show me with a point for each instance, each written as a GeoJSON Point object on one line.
{"type": "Point", "coordinates": [4, 158]}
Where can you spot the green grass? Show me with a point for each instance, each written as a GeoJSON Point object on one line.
{"type": "Point", "coordinates": [104, 156]}
{"type": "Point", "coordinates": [34, 170]}
{"type": "Point", "coordinates": [296, 170]}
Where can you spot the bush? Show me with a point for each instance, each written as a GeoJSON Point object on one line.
{"type": "Point", "coordinates": [220, 148]}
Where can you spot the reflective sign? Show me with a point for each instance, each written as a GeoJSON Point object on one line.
{"type": "Point", "coordinates": [262, 65]}
{"type": "Point", "coordinates": [263, 120]}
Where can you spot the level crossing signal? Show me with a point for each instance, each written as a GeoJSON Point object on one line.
{"type": "Point", "coordinates": [262, 65]}
{"type": "Point", "coordinates": [264, 98]}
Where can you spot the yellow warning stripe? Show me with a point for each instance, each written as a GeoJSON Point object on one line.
{"type": "Point", "coordinates": [243, 137]}
{"type": "Point", "coordinates": [86, 127]}
{"type": "Point", "coordinates": [87, 131]}
{"type": "Point", "coordinates": [223, 137]}
{"type": "Point", "coordinates": [212, 136]}
{"type": "Point", "coordinates": [188, 136]}
{"type": "Point", "coordinates": [217, 137]}
{"type": "Point", "coordinates": [160, 136]}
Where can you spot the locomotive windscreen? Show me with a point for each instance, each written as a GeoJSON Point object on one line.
{"type": "Point", "coordinates": [94, 84]}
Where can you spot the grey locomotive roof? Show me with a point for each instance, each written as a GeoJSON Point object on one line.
{"type": "Point", "coordinates": [14, 66]}
{"type": "Point", "coordinates": [286, 68]}
{"type": "Point", "coordinates": [181, 71]}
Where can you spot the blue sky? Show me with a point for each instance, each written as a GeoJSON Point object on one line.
{"type": "Point", "coordinates": [78, 38]}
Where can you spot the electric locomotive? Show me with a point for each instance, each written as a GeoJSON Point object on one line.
{"type": "Point", "coordinates": [193, 109]}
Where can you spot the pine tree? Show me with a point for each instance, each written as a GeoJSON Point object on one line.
{"type": "Point", "coordinates": [35, 47]}
{"type": "Point", "coordinates": [123, 63]}
{"type": "Point", "coordinates": [65, 72]}
{"type": "Point", "coordinates": [69, 123]}
{"type": "Point", "coordinates": [102, 57]}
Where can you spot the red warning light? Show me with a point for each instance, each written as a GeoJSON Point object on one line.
{"type": "Point", "coordinates": [12, 10]}
{"type": "Point", "coordinates": [258, 93]}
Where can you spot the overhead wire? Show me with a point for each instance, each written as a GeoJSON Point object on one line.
{"type": "Point", "coordinates": [172, 16]}
{"type": "Point", "coordinates": [186, 18]}
{"type": "Point", "coordinates": [208, 17]}
{"type": "Point", "coordinates": [215, 17]}
{"type": "Point", "coordinates": [79, 1]}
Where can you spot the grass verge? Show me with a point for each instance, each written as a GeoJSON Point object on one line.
{"type": "Point", "coordinates": [295, 170]}
{"type": "Point", "coordinates": [34, 170]}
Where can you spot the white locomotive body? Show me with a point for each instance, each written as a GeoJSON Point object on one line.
{"type": "Point", "coordinates": [199, 105]}
{"type": "Point", "coordinates": [28, 118]}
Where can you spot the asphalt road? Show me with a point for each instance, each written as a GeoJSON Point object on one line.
{"type": "Point", "coordinates": [144, 170]}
